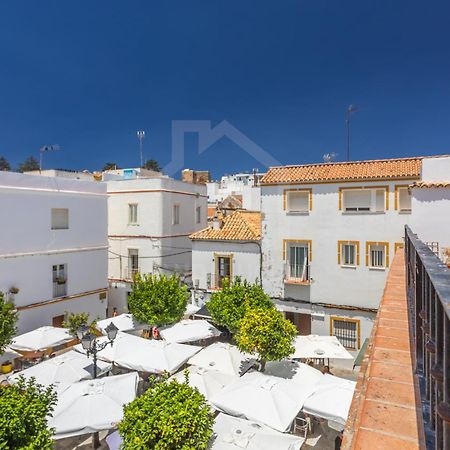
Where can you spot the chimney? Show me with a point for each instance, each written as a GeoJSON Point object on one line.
{"type": "Point", "coordinates": [217, 223]}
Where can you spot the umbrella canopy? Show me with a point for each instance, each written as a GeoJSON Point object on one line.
{"type": "Point", "coordinates": [314, 346]}
{"type": "Point", "coordinates": [41, 339]}
{"type": "Point", "coordinates": [92, 405]}
{"type": "Point", "coordinates": [223, 357]}
{"type": "Point", "coordinates": [8, 355]}
{"type": "Point", "coordinates": [123, 322]}
{"type": "Point", "coordinates": [295, 371]}
{"type": "Point", "coordinates": [63, 370]}
{"type": "Point", "coordinates": [114, 440]}
{"type": "Point", "coordinates": [331, 399]}
{"type": "Point", "coordinates": [266, 399]}
{"type": "Point", "coordinates": [144, 355]}
{"type": "Point", "coordinates": [189, 331]}
{"type": "Point", "coordinates": [231, 433]}
{"type": "Point", "coordinates": [208, 382]}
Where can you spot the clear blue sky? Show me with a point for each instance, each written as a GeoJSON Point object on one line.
{"type": "Point", "coordinates": [88, 74]}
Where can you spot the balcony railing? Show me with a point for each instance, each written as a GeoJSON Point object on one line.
{"type": "Point", "coordinates": [428, 289]}
{"type": "Point", "coordinates": [131, 272]}
{"type": "Point", "coordinates": [214, 281]}
{"type": "Point", "coordinates": [297, 273]}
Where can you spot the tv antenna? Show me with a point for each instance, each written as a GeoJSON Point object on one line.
{"type": "Point", "coordinates": [329, 157]}
{"type": "Point", "coordinates": [46, 148]}
{"type": "Point", "coordinates": [141, 137]}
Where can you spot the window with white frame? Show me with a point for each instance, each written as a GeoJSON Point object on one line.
{"type": "Point", "coordinates": [176, 215]}
{"type": "Point", "coordinates": [59, 278]}
{"type": "Point", "coordinates": [198, 214]}
{"type": "Point", "coordinates": [404, 199]}
{"type": "Point", "coordinates": [297, 265]}
{"type": "Point", "coordinates": [347, 331]}
{"type": "Point", "coordinates": [297, 201]}
{"type": "Point", "coordinates": [132, 213]}
{"type": "Point", "coordinates": [133, 262]}
{"type": "Point", "coordinates": [364, 200]}
{"type": "Point", "coordinates": [60, 219]}
{"type": "Point", "coordinates": [377, 254]}
{"type": "Point", "coordinates": [349, 254]}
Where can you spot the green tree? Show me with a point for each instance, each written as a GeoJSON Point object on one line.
{"type": "Point", "coordinates": [8, 319]}
{"type": "Point", "coordinates": [29, 164]}
{"type": "Point", "coordinates": [266, 333]}
{"type": "Point", "coordinates": [157, 299]}
{"type": "Point", "coordinates": [152, 164]}
{"type": "Point", "coordinates": [169, 416]}
{"type": "Point", "coordinates": [73, 321]}
{"type": "Point", "coordinates": [4, 164]}
{"type": "Point", "coordinates": [110, 166]}
{"type": "Point", "coordinates": [229, 305]}
{"type": "Point", "coordinates": [24, 408]}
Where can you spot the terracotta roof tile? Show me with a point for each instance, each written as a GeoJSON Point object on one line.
{"type": "Point", "coordinates": [345, 171]}
{"type": "Point", "coordinates": [431, 184]}
{"type": "Point", "coordinates": [239, 226]}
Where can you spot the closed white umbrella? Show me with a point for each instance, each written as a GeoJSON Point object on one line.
{"type": "Point", "coordinates": [41, 339]}
{"type": "Point", "coordinates": [208, 382]}
{"type": "Point", "coordinates": [189, 331]}
{"type": "Point", "coordinates": [93, 405]}
{"type": "Point", "coordinates": [266, 399]}
{"type": "Point", "coordinates": [123, 322]}
{"type": "Point", "coordinates": [144, 355]}
{"type": "Point", "coordinates": [223, 357]}
{"type": "Point", "coordinates": [331, 399]}
{"type": "Point", "coordinates": [231, 433]}
{"type": "Point", "coordinates": [63, 370]}
{"type": "Point", "coordinates": [314, 346]}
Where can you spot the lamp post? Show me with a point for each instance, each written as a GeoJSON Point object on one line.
{"type": "Point", "coordinates": [92, 347]}
{"type": "Point", "coordinates": [351, 109]}
{"type": "Point", "coordinates": [43, 149]}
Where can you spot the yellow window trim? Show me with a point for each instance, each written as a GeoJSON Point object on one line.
{"type": "Point", "coordinates": [297, 241]}
{"type": "Point", "coordinates": [285, 192]}
{"type": "Point", "coordinates": [398, 245]}
{"type": "Point", "coordinates": [345, 319]}
{"type": "Point", "coordinates": [341, 243]}
{"type": "Point", "coordinates": [216, 264]}
{"type": "Point", "coordinates": [386, 246]}
{"type": "Point", "coordinates": [349, 188]}
{"type": "Point", "coordinates": [397, 187]}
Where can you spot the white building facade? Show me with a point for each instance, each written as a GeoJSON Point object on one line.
{"type": "Point", "coordinates": [226, 250]}
{"type": "Point", "coordinates": [53, 250]}
{"type": "Point", "coordinates": [150, 219]}
{"type": "Point", "coordinates": [329, 233]}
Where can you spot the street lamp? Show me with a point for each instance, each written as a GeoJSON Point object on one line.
{"type": "Point", "coordinates": [351, 109]}
{"type": "Point", "coordinates": [92, 347]}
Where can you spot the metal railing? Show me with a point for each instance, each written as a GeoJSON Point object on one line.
{"type": "Point", "coordinates": [297, 273]}
{"type": "Point", "coordinates": [428, 289]}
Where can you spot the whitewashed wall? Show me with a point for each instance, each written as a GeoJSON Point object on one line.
{"type": "Point", "coordinates": [29, 247]}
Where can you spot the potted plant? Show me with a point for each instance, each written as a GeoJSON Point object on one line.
{"type": "Point", "coordinates": [7, 367]}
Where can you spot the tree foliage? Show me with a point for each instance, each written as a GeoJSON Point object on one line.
{"type": "Point", "coordinates": [24, 408]}
{"type": "Point", "coordinates": [8, 319]}
{"type": "Point", "coordinates": [152, 164]}
{"type": "Point", "coordinates": [110, 166]}
{"type": "Point", "coordinates": [157, 299]}
{"type": "Point", "coordinates": [229, 305]}
{"type": "Point", "coordinates": [74, 321]}
{"type": "Point", "coordinates": [267, 333]}
{"type": "Point", "coordinates": [4, 164]}
{"type": "Point", "coordinates": [169, 416]}
{"type": "Point", "coordinates": [31, 163]}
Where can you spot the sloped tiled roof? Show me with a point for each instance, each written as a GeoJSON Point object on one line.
{"type": "Point", "coordinates": [345, 171]}
{"type": "Point", "coordinates": [431, 184]}
{"type": "Point", "coordinates": [239, 226]}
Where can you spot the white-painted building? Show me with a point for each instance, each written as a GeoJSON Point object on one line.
{"type": "Point", "coordinates": [53, 247]}
{"type": "Point", "coordinates": [245, 185]}
{"type": "Point", "coordinates": [64, 173]}
{"type": "Point", "coordinates": [329, 233]}
{"type": "Point", "coordinates": [226, 250]}
{"type": "Point", "coordinates": [430, 217]}
{"type": "Point", "coordinates": [150, 219]}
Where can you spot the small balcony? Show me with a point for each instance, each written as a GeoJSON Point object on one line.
{"type": "Point", "coordinates": [214, 282]}
{"type": "Point", "coordinates": [297, 274]}
{"type": "Point", "coordinates": [130, 273]}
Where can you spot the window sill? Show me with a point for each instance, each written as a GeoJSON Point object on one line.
{"type": "Point", "coordinates": [343, 266]}
{"type": "Point", "coordinates": [404, 211]}
{"type": "Point", "coordinates": [133, 224]}
{"type": "Point", "coordinates": [380, 269]}
{"type": "Point", "coordinates": [297, 213]}
{"type": "Point", "coordinates": [297, 282]}
{"type": "Point", "coordinates": [362, 213]}
{"type": "Point", "coordinates": [59, 229]}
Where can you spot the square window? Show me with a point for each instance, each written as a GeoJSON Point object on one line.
{"type": "Point", "coordinates": [297, 201]}
{"type": "Point", "coordinates": [404, 199]}
{"type": "Point", "coordinates": [347, 331]}
{"type": "Point", "coordinates": [348, 254]}
{"type": "Point", "coordinates": [60, 219]}
{"type": "Point", "coordinates": [377, 255]}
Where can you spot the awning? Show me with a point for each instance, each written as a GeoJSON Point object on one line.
{"type": "Point", "coordinates": [361, 353]}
